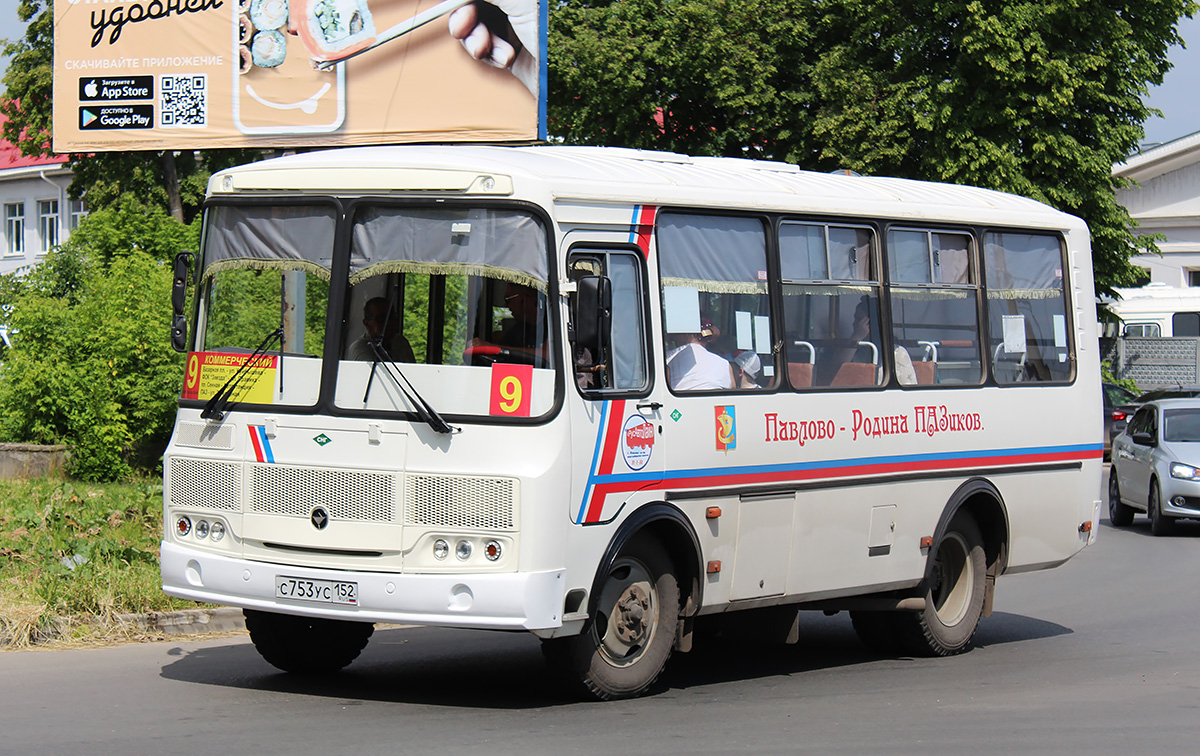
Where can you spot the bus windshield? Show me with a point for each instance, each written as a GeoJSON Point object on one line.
{"type": "Point", "coordinates": [437, 301]}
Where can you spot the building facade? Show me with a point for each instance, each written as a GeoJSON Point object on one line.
{"type": "Point", "coordinates": [36, 213]}
{"type": "Point", "coordinates": [1166, 200]}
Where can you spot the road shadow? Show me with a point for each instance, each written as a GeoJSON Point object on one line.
{"type": "Point", "coordinates": [490, 670]}
{"type": "Point", "coordinates": [1141, 526]}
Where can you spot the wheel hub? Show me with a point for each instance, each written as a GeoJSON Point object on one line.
{"type": "Point", "coordinates": [632, 608]}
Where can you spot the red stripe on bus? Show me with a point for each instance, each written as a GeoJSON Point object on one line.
{"type": "Point", "coordinates": [645, 228]}
{"type": "Point", "coordinates": [258, 452]}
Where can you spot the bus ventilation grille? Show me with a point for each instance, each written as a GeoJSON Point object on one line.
{"type": "Point", "coordinates": [204, 435]}
{"type": "Point", "coordinates": [205, 484]}
{"type": "Point", "coordinates": [347, 495]}
{"type": "Point", "coordinates": [460, 501]}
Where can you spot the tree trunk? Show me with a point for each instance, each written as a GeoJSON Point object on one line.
{"type": "Point", "coordinates": [172, 181]}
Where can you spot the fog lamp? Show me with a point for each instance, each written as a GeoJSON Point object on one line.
{"type": "Point", "coordinates": [492, 550]}
{"type": "Point", "coordinates": [183, 525]}
{"type": "Point", "coordinates": [440, 549]}
{"type": "Point", "coordinates": [463, 550]}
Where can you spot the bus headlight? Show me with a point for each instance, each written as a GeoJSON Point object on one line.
{"type": "Point", "coordinates": [202, 529]}
{"type": "Point", "coordinates": [463, 550]}
{"type": "Point", "coordinates": [217, 531]}
{"type": "Point", "coordinates": [440, 549]}
{"type": "Point", "coordinates": [1186, 472]}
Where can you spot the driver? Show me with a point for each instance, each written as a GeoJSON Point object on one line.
{"type": "Point", "coordinates": [525, 332]}
{"type": "Point", "coordinates": [375, 312]}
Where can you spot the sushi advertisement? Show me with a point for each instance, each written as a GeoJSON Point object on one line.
{"type": "Point", "coordinates": [203, 74]}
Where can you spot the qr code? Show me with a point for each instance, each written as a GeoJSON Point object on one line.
{"type": "Point", "coordinates": [183, 101]}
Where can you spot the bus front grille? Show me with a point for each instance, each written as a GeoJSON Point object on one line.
{"type": "Point", "coordinates": [206, 484]}
{"type": "Point", "coordinates": [347, 495]}
{"type": "Point", "coordinates": [460, 501]}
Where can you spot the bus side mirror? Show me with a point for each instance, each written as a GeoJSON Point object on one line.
{"type": "Point", "coordinates": [183, 266]}
{"type": "Point", "coordinates": [593, 313]}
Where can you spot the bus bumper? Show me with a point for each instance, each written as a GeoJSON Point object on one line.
{"type": "Point", "coordinates": [505, 601]}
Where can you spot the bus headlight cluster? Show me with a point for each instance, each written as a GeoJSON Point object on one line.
{"type": "Point", "coordinates": [464, 549]}
{"type": "Point", "coordinates": [203, 529]}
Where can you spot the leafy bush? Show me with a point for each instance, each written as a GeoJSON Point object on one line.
{"type": "Point", "coordinates": [91, 364]}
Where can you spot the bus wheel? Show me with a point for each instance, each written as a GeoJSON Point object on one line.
{"type": "Point", "coordinates": [1119, 514]}
{"type": "Point", "coordinates": [306, 645]}
{"type": "Point", "coordinates": [625, 647]}
{"type": "Point", "coordinates": [954, 595]}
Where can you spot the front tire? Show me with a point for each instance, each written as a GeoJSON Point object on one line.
{"type": "Point", "coordinates": [1160, 524]}
{"type": "Point", "coordinates": [306, 645]}
{"type": "Point", "coordinates": [954, 595]}
{"type": "Point", "coordinates": [1119, 514]}
{"type": "Point", "coordinates": [625, 646]}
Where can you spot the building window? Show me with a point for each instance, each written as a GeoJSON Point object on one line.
{"type": "Point", "coordinates": [76, 209]}
{"type": "Point", "coordinates": [48, 224]}
{"type": "Point", "coordinates": [1193, 277]}
{"type": "Point", "coordinates": [14, 228]}
{"type": "Point", "coordinates": [1141, 276]}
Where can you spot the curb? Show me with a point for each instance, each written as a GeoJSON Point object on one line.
{"type": "Point", "coordinates": [188, 621]}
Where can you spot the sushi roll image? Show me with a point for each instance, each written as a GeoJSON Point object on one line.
{"type": "Point", "coordinates": [268, 14]}
{"type": "Point", "coordinates": [268, 48]}
{"type": "Point", "coordinates": [245, 29]}
{"type": "Point", "coordinates": [245, 59]}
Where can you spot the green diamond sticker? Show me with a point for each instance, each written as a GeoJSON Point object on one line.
{"type": "Point", "coordinates": [675, 415]}
{"type": "Point", "coordinates": [322, 439]}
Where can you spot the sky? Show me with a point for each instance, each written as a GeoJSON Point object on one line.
{"type": "Point", "coordinates": [1176, 98]}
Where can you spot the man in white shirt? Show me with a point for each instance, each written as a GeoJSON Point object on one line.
{"type": "Point", "coordinates": [691, 367]}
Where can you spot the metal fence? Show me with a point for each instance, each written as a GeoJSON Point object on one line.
{"type": "Point", "coordinates": [1153, 363]}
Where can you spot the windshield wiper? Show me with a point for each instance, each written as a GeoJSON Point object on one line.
{"type": "Point", "coordinates": [220, 401]}
{"type": "Point", "coordinates": [424, 410]}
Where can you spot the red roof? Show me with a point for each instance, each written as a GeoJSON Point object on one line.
{"type": "Point", "coordinates": [11, 157]}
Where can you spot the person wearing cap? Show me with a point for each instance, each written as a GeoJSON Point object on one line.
{"type": "Point", "coordinates": [691, 367]}
{"type": "Point", "coordinates": [747, 368]}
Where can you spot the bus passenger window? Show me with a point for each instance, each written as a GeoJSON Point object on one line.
{"type": "Point", "coordinates": [1028, 335]}
{"type": "Point", "coordinates": [934, 306]}
{"type": "Point", "coordinates": [831, 310]}
{"type": "Point", "coordinates": [716, 309]}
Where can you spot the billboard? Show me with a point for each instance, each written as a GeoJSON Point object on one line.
{"type": "Point", "coordinates": [202, 74]}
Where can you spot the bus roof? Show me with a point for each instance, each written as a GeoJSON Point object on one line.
{"type": "Point", "coordinates": [608, 175]}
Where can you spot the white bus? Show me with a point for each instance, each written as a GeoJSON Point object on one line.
{"type": "Point", "coordinates": [606, 396]}
{"type": "Point", "coordinates": [1157, 310]}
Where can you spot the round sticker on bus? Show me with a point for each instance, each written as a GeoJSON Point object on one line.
{"type": "Point", "coordinates": [637, 441]}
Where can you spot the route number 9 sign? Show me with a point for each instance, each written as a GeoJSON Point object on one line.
{"type": "Point", "coordinates": [511, 385]}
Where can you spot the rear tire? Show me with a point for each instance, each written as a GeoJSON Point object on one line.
{"type": "Point", "coordinates": [626, 644]}
{"type": "Point", "coordinates": [1160, 524]}
{"type": "Point", "coordinates": [954, 596]}
{"type": "Point", "coordinates": [306, 645]}
{"type": "Point", "coordinates": [1119, 514]}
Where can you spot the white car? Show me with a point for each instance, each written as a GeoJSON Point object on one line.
{"type": "Point", "coordinates": [1156, 465]}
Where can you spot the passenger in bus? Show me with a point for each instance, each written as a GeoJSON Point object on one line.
{"type": "Point", "coordinates": [747, 369]}
{"type": "Point", "coordinates": [860, 332]}
{"type": "Point", "coordinates": [382, 329]}
{"type": "Point", "coordinates": [691, 367]}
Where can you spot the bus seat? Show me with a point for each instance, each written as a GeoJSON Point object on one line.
{"type": "Point", "coordinates": [855, 374]}
{"type": "Point", "coordinates": [800, 374]}
{"type": "Point", "coordinates": [926, 373]}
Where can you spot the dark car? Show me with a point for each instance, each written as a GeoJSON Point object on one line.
{"type": "Point", "coordinates": [1117, 413]}
{"type": "Point", "coordinates": [1116, 399]}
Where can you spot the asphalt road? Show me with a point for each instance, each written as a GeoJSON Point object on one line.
{"type": "Point", "coordinates": [1100, 656]}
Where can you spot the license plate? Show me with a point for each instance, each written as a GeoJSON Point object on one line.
{"type": "Point", "coordinates": [321, 591]}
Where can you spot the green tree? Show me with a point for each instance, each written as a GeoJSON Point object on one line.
{"type": "Point", "coordinates": [91, 365]}
{"type": "Point", "coordinates": [1036, 97]}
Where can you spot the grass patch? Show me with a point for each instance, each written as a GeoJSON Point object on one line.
{"type": "Point", "coordinates": [74, 556]}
